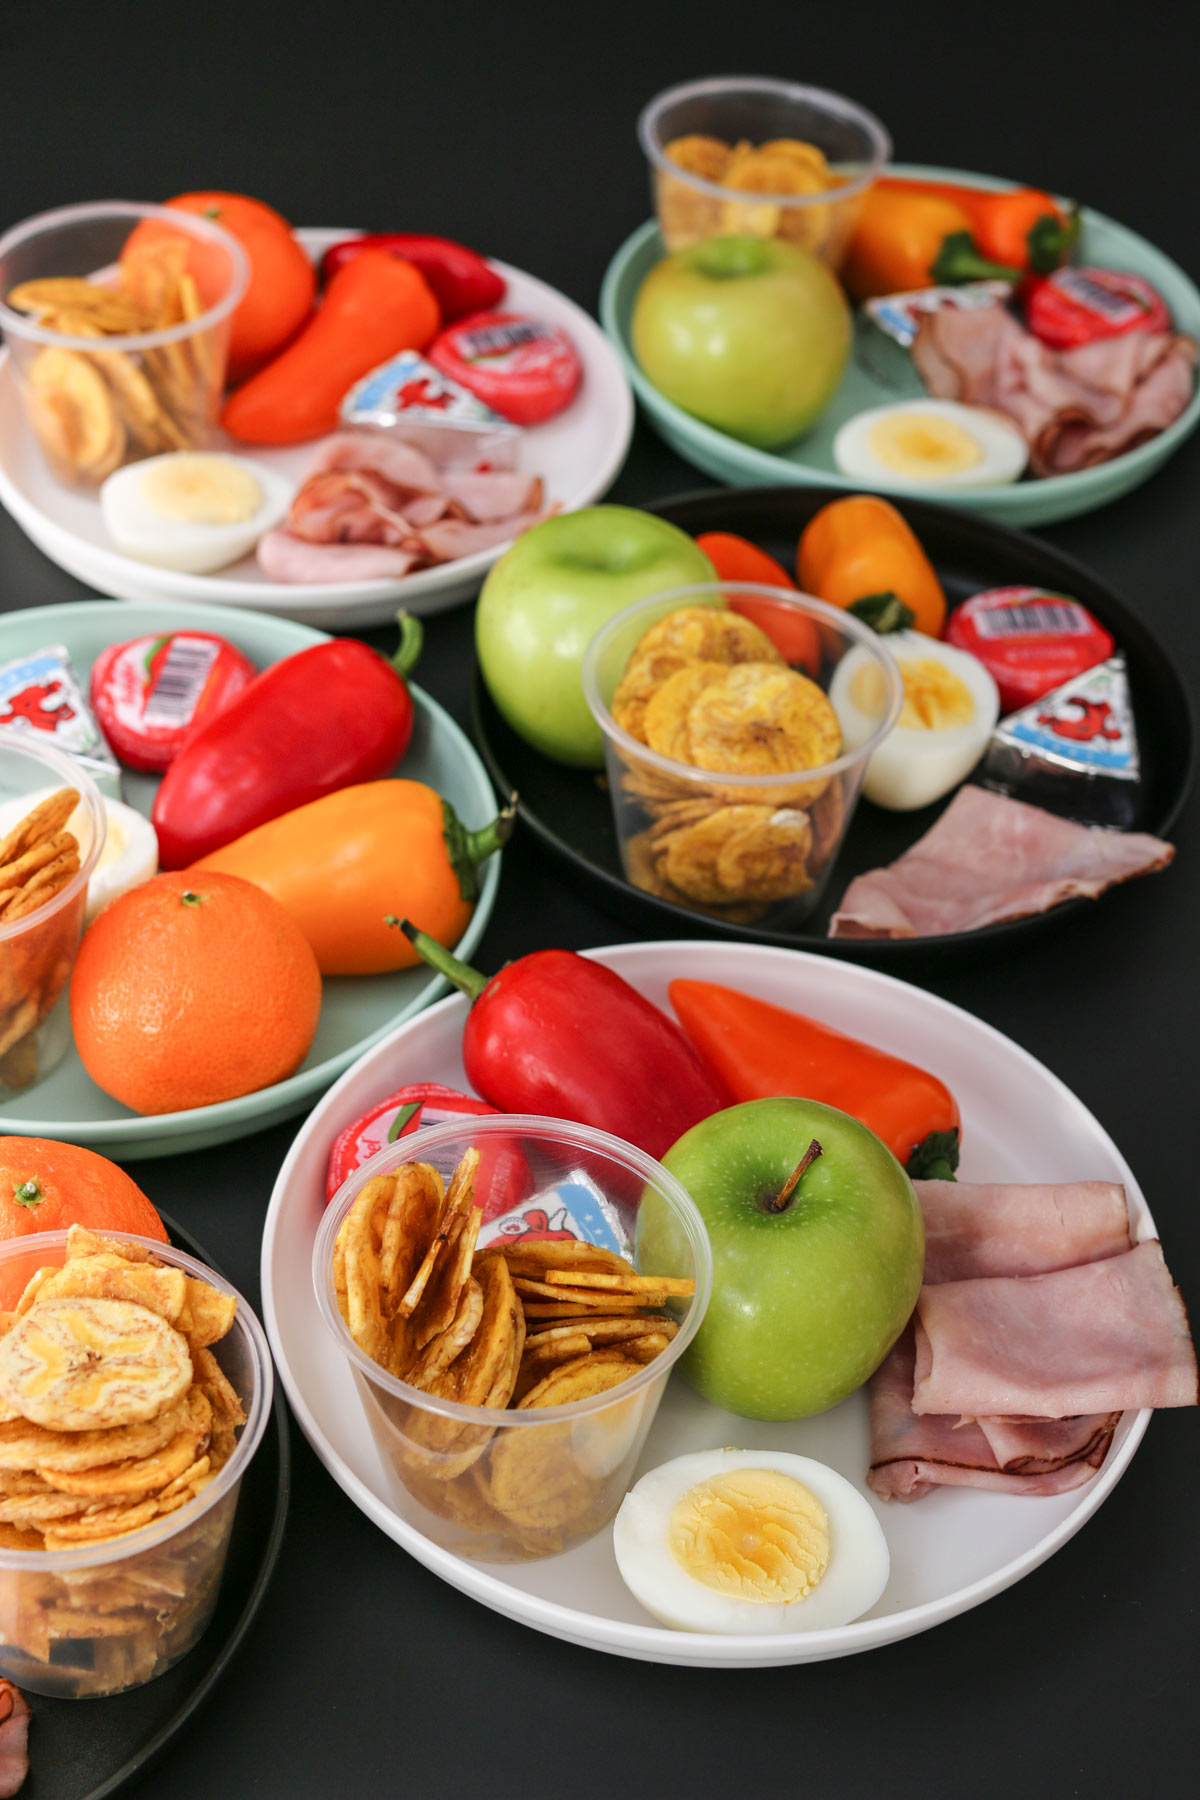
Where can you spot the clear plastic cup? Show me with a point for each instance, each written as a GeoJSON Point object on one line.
{"type": "Point", "coordinates": [754, 110]}
{"type": "Point", "coordinates": [37, 951]}
{"type": "Point", "coordinates": [747, 848]}
{"type": "Point", "coordinates": [95, 402]}
{"type": "Point", "coordinates": [115, 1614]}
{"type": "Point", "coordinates": [514, 1485]}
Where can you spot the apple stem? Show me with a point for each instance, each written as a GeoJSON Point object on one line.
{"type": "Point", "coordinates": [797, 1175]}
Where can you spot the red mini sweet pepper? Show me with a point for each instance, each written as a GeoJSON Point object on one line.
{"type": "Point", "coordinates": [560, 1035]}
{"type": "Point", "coordinates": [462, 281]}
{"type": "Point", "coordinates": [759, 1050]}
{"type": "Point", "coordinates": [321, 719]}
{"type": "Point", "coordinates": [503, 1178]}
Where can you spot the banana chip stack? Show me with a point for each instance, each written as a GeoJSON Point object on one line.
{"type": "Point", "coordinates": [782, 172]}
{"type": "Point", "coordinates": [93, 410]}
{"type": "Point", "coordinates": [708, 688]}
{"type": "Point", "coordinates": [512, 1327]}
{"type": "Point", "coordinates": [114, 1414]}
{"type": "Point", "coordinates": [38, 859]}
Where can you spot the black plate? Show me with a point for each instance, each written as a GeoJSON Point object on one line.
{"type": "Point", "coordinates": [570, 811]}
{"type": "Point", "coordinates": [83, 1749]}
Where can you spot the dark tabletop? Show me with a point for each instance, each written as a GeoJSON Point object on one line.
{"type": "Point", "coordinates": [512, 127]}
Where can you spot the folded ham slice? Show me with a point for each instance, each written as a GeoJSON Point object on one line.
{"type": "Point", "coordinates": [989, 858]}
{"type": "Point", "coordinates": [913, 1453]}
{"type": "Point", "coordinates": [1098, 1338]}
{"type": "Point", "coordinates": [384, 501]}
{"type": "Point", "coordinates": [1013, 1228]}
{"type": "Point", "coordinates": [1033, 1290]}
{"type": "Point", "coordinates": [1074, 408]}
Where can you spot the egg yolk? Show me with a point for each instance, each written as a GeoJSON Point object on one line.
{"type": "Point", "coordinates": [757, 1534]}
{"type": "Point", "coordinates": [204, 490]}
{"type": "Point", "coordinates": [923, 445]}
{"type": "Point", "coordinates": [935, 698]}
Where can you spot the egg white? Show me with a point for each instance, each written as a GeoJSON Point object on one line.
{"type": "Point", "coordinates": [914, 767]}
{"type": "Point", "coordinates": [859, 1563]}
{"type": "Point", "coordinates": [1003, 451]}
{"type": "Point", "coordinates": [129, 856]}
{"type": "Point", "coordinates": [190, 546]}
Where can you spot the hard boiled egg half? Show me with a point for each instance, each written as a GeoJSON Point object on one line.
{"type": "Point", "coordinates": [750, 1541]}
{"type": "Point", "coordinates": [951, 704]}
{"type": "Point", "coordinates": [930, 443]}
{"type": "Point", "coordinates": [192, 510]}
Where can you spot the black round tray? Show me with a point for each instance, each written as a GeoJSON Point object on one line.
{"type": "Point", "coordinates": [570, 812]}
{"type": "Point", "coordinates": [83, 1749]}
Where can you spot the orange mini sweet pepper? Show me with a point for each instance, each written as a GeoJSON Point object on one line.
{"type": "Point", "coordinates": [757, 1050]}
{"type": "Point", "coordinates": [907, 238]}
{"type": "Point", "coordinates": [349, 866]}
{"type": "Point", "coordinates": [861, 549]}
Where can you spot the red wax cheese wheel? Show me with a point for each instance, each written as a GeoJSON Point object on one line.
{"type": "Point", "coordinates": [523, 369]}
{"type": "Point", "coordinates": [147, 694]}
{"type": "Point", "coordinates": [1079, 306]}
{"type": "Point", "coordinates": [1030, 640]}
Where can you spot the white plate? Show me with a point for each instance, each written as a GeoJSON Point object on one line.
{"type": "Point", "coordinates": [949, 1551]}
{"type": "Point", "coordinates": [578, 454]}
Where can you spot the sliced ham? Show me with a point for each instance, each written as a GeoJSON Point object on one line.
{"type": "Point", "coordinates": [1036, 1326]}
{"type": "Point", "coordinates": [913, 1453]}
{"type": "Point", "coordinates": [989, 858]}
{"type": "Point", "coordinates": [1074, 408]}
{"type": "Point", "coordinates": [489, 494]}
{"type": "Point", "coordinates": [386, 505]}
{"type": "Point", "coordinates": [382, 452]}
{"type": "Point", "coordinates": [451, 538]}
{"type": "Point", "coordinates": [14, 1733]}
{"type": "Point", "coordinates": [285, 557]}
{"type": "Point", "coordinates": [976, 1229]}
{"type": "Point", "coordinates": [1039, 1446]}
{"type": "Point", "coordinates": [1097, 1338]}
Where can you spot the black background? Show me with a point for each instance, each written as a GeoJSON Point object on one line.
{"type": "Point", "coordinates": [513, 128]}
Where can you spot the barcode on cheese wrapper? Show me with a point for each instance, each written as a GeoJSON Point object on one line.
{"type": "Point", "coordinates": [181, 681]}
{"type": "Point", "coordinates": [1065, 617]}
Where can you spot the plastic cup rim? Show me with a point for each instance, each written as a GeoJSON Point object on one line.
{"type": "Point", "coordinates": [833, 616]}
{"type": "Point", "coordinates": [839, 104]}
{"type": "Point", "coordinates": [71, 773]}
{"type": "Point", "coordinates": [133, 1543]}
{"type": "Point", "coordinates": [513, 1125]}
{"type": "Point", "coordinates": [17, 324]}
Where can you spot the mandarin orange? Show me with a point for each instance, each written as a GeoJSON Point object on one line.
{"type": "Point", "coordinates": [193, 988]}
{"type": "Point", "coordinates": [47, 1186]}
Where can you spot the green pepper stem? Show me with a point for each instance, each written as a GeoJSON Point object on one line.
{"type": "Point", "coordinates": [412, 636]}
{"type": "Point", "coordinates": [959, 260]}
{"type": "Point", "coordinates": [935, 1158]}
{"type": "Point", "coordinates": [883, 612]}
{"type": "Point", "coordinates": [469, 981]}
{"type": "Point", "coordinates": [467, 849]}
{"type": "Point", "coordinates": [1050, 241]}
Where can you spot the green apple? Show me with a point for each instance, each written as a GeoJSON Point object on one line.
{"type": "Point", "coordinates": [810, 1287]}
{"type": "Point", "coordinates": [750, 334]}
{"type": "Point", "coordinates": [546, 598]}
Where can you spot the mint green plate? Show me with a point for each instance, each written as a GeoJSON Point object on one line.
{"type": "Point", "coordinates": [356, 1011]}
{"type": "Point", "coordinates": [809, 462]}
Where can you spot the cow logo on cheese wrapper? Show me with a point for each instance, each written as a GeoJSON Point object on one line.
{"type": "Point", "coordinates": [1074, 751]}
{"type": "Point", "coordinates": [573, 1210]}
{"type": "Point", "coordinates": [1087, 723]}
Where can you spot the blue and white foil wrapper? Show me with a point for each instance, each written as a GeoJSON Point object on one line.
{"type": "Point", "coordinates": [573, 1208]}
{"type": "Point", "coordinates": [1075, 749]}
